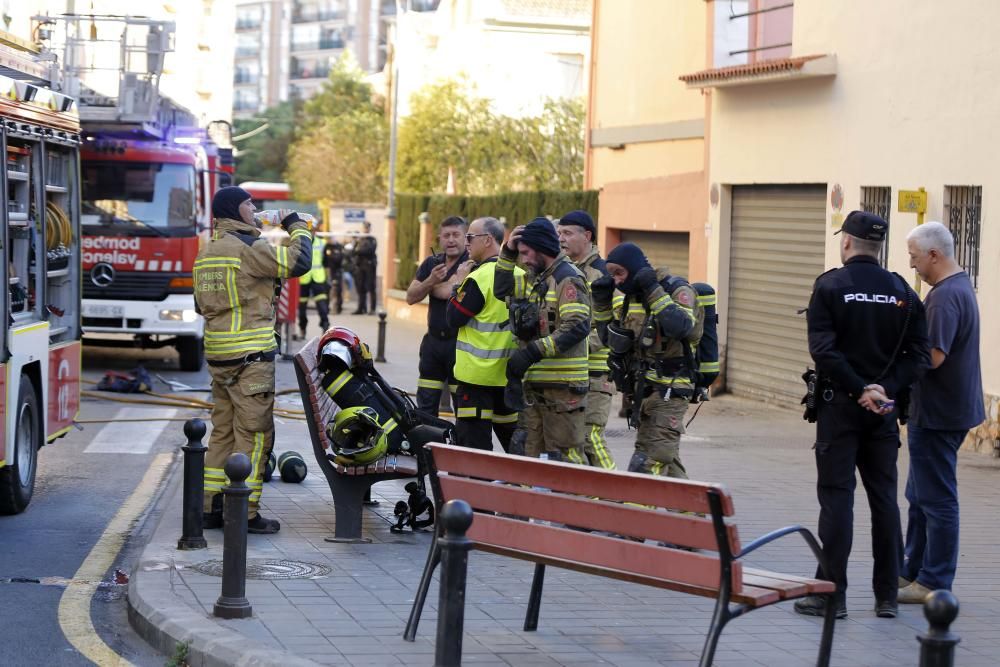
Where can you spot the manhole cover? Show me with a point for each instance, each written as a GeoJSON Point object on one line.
{"type": "Point", "coordinates": [258, 568]}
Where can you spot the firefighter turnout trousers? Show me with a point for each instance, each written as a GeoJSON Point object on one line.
{"type": "Point", "coordinates": [555, 422]}
{"type": "Point", "coordinates": [480, 411]}
{"type": "Point", "coordinates": [658, 440]}
{"type": "Point", "coordinates": [242, 421]}
{"type": "Point", "coordinates": [319, 292]}
{"type": "Point", "coordinates": [596, 420]}
{"type": "Point", "coordinates": [437, 362]}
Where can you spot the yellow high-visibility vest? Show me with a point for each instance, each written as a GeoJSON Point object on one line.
{"type": "Point", "coordinates": [317, 274]}
{"type": "Point", "coordinates": [485, 342]}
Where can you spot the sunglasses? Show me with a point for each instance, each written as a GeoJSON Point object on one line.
{"type": "Point", "coordinates": [469, 237]}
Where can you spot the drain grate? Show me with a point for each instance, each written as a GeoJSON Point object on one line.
{"type": "Point", "coordinates": [258, 568]}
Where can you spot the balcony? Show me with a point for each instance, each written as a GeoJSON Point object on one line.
{"type": "Point", "coordinates": [311, 72]}
{"type": "Point", "coordinates": [247, 24]}
{"type": "Point", "coordinates": [248, 51]}
{"type": "Point", "coordinates": [244, 79]}
{"type": "Point", "coordinates": [313, 16]}
{"type": "Point", "coordinates": [321, 45]}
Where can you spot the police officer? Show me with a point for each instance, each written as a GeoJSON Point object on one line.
{"type": "Point", "coordinates": [234, 281]}
{"type": "Point", "coordinates": [333, 262]}
{"type": "Point", "coordinates": [868, 338]}
{"type": "Point", "coordinates": [553, 349]}
{"type": "Point", "coordinates": [576, 238]}
{"type": "Point", "coordinates": [435, 278]}
{"type": "Point", "coordinates": [484, 342]}
{"type": "Point", "coordinates": [652, 345]}
{"type": "Point", "coordinates": [365, 265]}
{"type": "Point", "coordinates": [313, 285]}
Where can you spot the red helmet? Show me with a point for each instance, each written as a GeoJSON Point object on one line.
{"type": "Point", "coordinates": [341, 347]}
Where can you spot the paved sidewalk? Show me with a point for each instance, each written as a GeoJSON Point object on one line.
{"type": "Point", "coordinates": [355, 614]}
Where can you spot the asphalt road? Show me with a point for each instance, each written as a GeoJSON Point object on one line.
{"type": "Point", "coordinates": [81, 484]}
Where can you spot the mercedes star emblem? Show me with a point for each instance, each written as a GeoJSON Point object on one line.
{"type": "Point", "coordinates": [102, 274]}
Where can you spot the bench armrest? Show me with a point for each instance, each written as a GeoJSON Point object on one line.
{"type": "Point", "coordinates": [781, 532]}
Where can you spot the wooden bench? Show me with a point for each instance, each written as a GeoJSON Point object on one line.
{"type": "Point", "coordinates": [348, 484]}
{"type": "Point", "coordinates": [672, 534]}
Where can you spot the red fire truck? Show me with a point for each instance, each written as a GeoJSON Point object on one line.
{"type": "Point", "coordinates": [148, 173]}
{"type": "Point", "coordinates": [40, 237]}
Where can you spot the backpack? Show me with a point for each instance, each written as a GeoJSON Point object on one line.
{"type": "Point", "coordinates": [707, 354]}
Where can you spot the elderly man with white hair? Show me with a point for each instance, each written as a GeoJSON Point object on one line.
{"type": "Point", "coordinates": [947, 402]}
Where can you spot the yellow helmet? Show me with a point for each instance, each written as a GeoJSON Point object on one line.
{"type": "Point", "coordinates": [356, 435]}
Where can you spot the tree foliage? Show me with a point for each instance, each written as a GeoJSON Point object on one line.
{"type": "Point", "coordinates": [341, 152]}
{"type": "Point", "coordinates": [263, 156]}
{"type": "Point", "coordinates": [449, 126]}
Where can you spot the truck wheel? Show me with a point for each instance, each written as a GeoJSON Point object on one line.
{"type": "Point", "coordinates": [17, 479]}
{"type": "Point", "coordinates": [192, 353]}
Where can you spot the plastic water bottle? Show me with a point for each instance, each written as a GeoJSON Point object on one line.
{"type": "Point", "coordinates": [273, 218]}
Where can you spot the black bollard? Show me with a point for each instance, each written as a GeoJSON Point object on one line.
{"type": "Point", "coordinates": [456, 517]}
{"type": "Point", "coordinates": [380, 354]}
{"type": "Point", "coordinates": [937, 645]}
{"type": "Point", "coordinates": [233, 602]}
{"type": "Point", "coordinates": [194, 486]}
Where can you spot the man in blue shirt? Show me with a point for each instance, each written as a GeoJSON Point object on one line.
{"type": "Point", "coordinates": [947, 402]}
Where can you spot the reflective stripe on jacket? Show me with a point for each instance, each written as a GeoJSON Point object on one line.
{"type": "Point", "coordinates": [562, 295]}
{"type": "Point", "coordinates": [234, 281]}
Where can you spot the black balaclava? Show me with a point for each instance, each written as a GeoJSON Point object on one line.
{"type": "Point", "coordinates": [631, 258]}
{"type": "Point", "coordinates": [226, 202]}
{"type": "Point", "coordinates": [540, 235]}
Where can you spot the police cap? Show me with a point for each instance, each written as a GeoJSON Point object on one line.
{"type": "Point", "coordinates": [864, 225]}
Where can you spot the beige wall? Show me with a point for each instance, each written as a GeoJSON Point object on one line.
{"type": "Point", "coordinates": [643, 45]}
{"type": "Point", "coordinates": [651, 176]}
{"type": "Point", "coordinates": [913, 103]}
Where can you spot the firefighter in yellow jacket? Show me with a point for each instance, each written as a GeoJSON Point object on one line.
{"type": "Point", "coordinates": [235, 275]}
{"type": "Point", "coordinates": [552, 323]}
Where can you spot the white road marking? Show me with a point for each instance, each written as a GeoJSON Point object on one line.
{"type": "Point", "coordinates": [136, 437]}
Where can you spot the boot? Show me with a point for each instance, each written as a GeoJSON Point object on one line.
{"type": "Point", "coordinates": [261, 526]}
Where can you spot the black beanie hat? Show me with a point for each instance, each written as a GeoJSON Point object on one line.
{"type": "Point", "coordinates": [580, 219]}
{"type": "Point", "coordinates": [630, 257]}
{"type": "Point", "coordinates": [540, 235]}
{"type": "Point", "coordinates": [226, 202]}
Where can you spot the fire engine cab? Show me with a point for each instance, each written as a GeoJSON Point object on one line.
{"type": "Point", "coordinates": [148, 172]}
{"type": "Point", "coordinates": [40, 241]}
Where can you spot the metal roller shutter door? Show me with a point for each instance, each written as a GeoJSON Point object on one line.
{"type": "Point", "coordinates": [663, 249]}
{"type": "Point", "coordinates": [778, 239]}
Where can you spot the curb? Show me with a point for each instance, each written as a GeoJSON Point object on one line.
{"type": "Point", "coordinates": [164, 621]}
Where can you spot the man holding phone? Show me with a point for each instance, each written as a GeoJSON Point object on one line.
{"type": "Point", "coordinates": [435, 278]}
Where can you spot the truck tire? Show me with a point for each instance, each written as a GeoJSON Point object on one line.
{"type": "Point", "coordinates": [191, 351]}
{"type": "Point", "coordinates": [17, 479]}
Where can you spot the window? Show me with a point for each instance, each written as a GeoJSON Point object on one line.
{"type": "Point", "coordinates": [750, 31]}
{"type": "Point", "coordinates": [963, 210]}
{"type": "Point", "coordinates": [878, 200]}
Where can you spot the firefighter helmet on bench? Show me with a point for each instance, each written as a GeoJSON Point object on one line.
{"type": "Point", "coordinates": [341, 348]}
{"type": "Point", "coordinates": [356, 435]}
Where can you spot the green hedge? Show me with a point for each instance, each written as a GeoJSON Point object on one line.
{"type": "Point", "coordinates": [517, 207]}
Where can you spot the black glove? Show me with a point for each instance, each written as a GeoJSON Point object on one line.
{"type": "Point", "coordinates": [289, 219]}
{"type": "Point", "coordinates": [645, 279]}
{"type": "Point", "coordinates": [602, 289]}
{"type": "Point", "coordinates": [521, 361]}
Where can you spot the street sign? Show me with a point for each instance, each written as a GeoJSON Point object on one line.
{"type": "Point", "coordinates": [354, 215]}
{"type": "Point", "coordinates": [912, 201]}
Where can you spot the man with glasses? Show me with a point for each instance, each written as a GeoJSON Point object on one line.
{"type": "Point", "coordinates": [435, 278]}
{"type": "Point", "coordinates": [483, 344]}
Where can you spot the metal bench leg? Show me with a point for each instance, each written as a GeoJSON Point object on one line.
{"type": "Point", "coordinates": [348, 496]}
{"type": "Point", "coordinates": [826, 641]}
{"type": "Point", "coordinates": [535, 599]}
{"type": "Point", "coordinates": [719, 619]}
{"type": "Point", "coordinates": [433, 559]}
